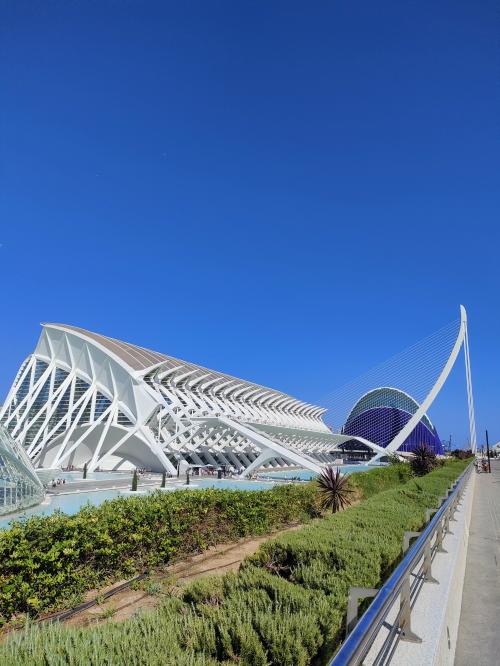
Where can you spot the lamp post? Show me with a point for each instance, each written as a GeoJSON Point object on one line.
{"type": "Point", "coordinates": [488, 452]}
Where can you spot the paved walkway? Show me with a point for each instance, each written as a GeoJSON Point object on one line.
{"type": "Point", "coordinates": [479, 634]}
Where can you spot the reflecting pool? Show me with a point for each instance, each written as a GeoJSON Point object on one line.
{"type": "Point", "coordinates": [307, 475]}
{"type": "Point", "coordinates": [72, 502]}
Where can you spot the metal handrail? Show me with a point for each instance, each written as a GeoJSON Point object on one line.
{"type": "Point", "coordinates": [358, 643]}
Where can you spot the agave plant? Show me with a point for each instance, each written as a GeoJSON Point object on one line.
{"type": "Point", "coordinates": [423, 461]}
{"type": "Point", "coordinates": [333, 490]}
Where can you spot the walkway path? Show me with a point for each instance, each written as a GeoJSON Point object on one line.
{"type": "Point", "coordinates": [478, 634]}
{"type": "Point", "coordinates": [215, 561]}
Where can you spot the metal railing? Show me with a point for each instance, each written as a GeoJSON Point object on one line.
{"type": "Point", "coordinates": [404, 585]}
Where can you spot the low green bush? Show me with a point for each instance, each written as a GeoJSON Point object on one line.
{"type": "Point", "coordinates": [380, 478]}
{"type": "Point", "coordinates": [286, 606]}
{"type": "Point", "coordinates": [51, 561]}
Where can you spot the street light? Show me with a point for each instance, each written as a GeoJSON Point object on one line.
{"type": "Point", "coordinates": [488, 452]}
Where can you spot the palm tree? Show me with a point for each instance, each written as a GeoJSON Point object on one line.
{"type": "Point", "coordinates": [423, 461]}
{"type": "Point", "coordinates": [333, 490]}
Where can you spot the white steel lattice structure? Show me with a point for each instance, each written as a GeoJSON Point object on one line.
{"type": "Point", "coordinates": [86, 398]}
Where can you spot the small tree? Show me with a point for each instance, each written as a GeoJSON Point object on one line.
{"type": "Point", "coordinates": [424, 460]}
{"type": "Point", "coordinates": [163, 479]}
{"type": "Point", "coordinates": [85, 471]}
{"type": "Point", "coordinates": [135, 481]}
{"type": "Point", "coordinates": [333, 490]}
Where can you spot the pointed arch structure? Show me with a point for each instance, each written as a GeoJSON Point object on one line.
{"type": "Point", "coordinates": [417, 413]}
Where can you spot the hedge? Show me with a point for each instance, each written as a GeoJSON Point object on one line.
{"type": "Point", "coordinates": [379, 479]}
{"type": "Point", "coordinates": [51, 561]}
{"type": "Point", "coordinates": [285, 606]}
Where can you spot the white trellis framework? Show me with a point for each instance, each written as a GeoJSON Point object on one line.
{"type": "Point", "coordinates": [85, 398]}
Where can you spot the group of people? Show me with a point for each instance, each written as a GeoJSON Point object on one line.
{"type": "Point", "coordinates": [221, 472]}
{"type": "Point", "coordinates": [57, 482]}
{"type": "Point", "coordinates": [481, 465]}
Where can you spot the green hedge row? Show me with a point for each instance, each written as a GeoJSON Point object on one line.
{"type": "Point", "coordinates": [285, 606]}
{"type": "Point", "coordinates": [379, 479]}
{"type": "Point", "coordinates": [51, 561]}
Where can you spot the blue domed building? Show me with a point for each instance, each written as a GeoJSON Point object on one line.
{"type": "Point", "coordinates": [382, 413]}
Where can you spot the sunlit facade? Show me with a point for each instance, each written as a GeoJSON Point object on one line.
{"type": "Point", "coordinates": [86, 398]}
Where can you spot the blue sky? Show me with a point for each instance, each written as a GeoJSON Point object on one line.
{"type": "Point", "coordinates": [288, 192]}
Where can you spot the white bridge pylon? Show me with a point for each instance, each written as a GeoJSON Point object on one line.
{"type": "Point", "coordinates": [462, 341]}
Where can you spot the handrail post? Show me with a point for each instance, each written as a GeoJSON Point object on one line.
{"type": "Point", "coordinates": [407, 536]}
{"type": "Point", "coordinates": [447, 521]}
{"type": "Point", "coordinates": [355, 595]}
{"type": "Point", "coordinates": [427, 570]}
{"type": "Point", "coordinates": [405, 613]}
{"type": "Point", "coordinates": [439, 537]}
{"type": "Point", "coordinates": [453, 509]}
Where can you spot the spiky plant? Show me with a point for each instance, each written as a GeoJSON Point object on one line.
{"type": "Point", "coordinates": [334, 492]}
{"type": "Point", "coordinates": [423, 461]}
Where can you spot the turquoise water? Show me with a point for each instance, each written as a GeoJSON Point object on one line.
{"type": "Point", "coordinates": [74, 477]}
{"type": "Point", "coordinates": [67, 503]}
{"type": "Point", "coordinates": [307, 475]}
{"type": "Point", "coordinates": [73, 502]}
{"type": "Point", "coordinates": [231, 484]}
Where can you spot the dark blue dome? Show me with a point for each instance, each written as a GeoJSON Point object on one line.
{"type": "Point", "coordinates": [382, 413]}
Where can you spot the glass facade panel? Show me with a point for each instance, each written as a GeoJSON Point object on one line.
{"type": "Point", "coordinates": [19, 485]}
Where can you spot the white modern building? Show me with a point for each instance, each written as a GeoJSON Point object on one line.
{"type": "Point", "coordinates": [86, 398]}
{"type": "Point", "coordinates": [81, 397]}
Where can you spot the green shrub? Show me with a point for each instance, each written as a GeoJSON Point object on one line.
{"type": "Point", "coordinates": [286, 605]}
{"type": "Point", "coordinates": [51, 561]}
{"type": "Point", "coordinates": [380, 478]}
{"type": "Point", "coordinates": [423, 461]}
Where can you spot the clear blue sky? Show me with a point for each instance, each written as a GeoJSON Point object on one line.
{"type": "Point", "coordinates": [288, 192]}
